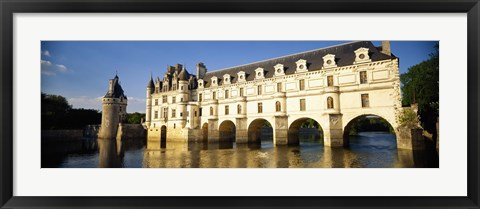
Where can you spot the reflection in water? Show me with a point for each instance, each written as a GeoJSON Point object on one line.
{"type": "Point", "coordinates": [367, 150]}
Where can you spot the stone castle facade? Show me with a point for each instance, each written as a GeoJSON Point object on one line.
{"type": "Point", "coordinates": [333, 86]}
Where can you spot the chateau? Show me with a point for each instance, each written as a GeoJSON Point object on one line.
{"type": "Point", "coordinates": [333, 86]}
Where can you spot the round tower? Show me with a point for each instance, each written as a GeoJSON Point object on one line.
{"type": "Point", "coordinates": [183, 95]}
{"type": "Point", "coordinates": [148, 113]}
{"type": "Point", "coordinates": [114, 109]}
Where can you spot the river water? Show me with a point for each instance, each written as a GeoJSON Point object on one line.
{"type": "Point", "coordinates": [366, 150]}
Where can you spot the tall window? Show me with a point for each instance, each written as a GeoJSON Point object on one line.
{"type": "Point", "coordinates": [173, 99]}
{"type": "Point", "coordinates": [164, 99]}
{"type": "Point", "coordinates": [226, 109]}
{"type": "Point", "coordinates": [241, 92]}
{"type": "Point", "coordinates": [278, 106]}
{"type": "Point", "coordinates": [156, 101]}
{"type": "Point", "coordinates": [301, 84]}
{"type": "Point", "coordinates": [200, 97]}
{"type": "Point", "coordinates": [330, 103]}
{"type": "Point", "coordinates": [363, 77]}
{"type": "Point", "coordinates": [226, 94]}
{"type": "Point", "coordinates": [211, 110]}
{"type": "Point", "coordinates": [260, 107]}
{"type": "Point", "coordinates": [174, 113]}
{"type": "Point", "coordinates": [239, 109]}
{"type": "Point", "coordinates": [365, 100]}
{"type": "Point", "coordinates": [155, 115]}
{"type": "Point", "coordinates": [259, 89]}
{"type": "Point", "coordinates": [302, 105]}
{"type": "Point", "coordinates": [279, 87]}
{"type": "Point", "coordinates": [200, 111]}
{"type": "Point", "coordinates": [165, 113]}
{"type": "Point", "coordinates": [330, 80]}
{"type": "Point", "coordinates": [214, 95]}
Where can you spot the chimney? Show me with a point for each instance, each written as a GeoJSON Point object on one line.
{"type": "Point", "coordinates": [386, 48]}
{"type": "Point", "coordinates": [201, 70]}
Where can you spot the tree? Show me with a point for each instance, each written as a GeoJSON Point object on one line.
{"type": "Point", "coordinates": [135, 118]}
{"type": "Point", "coordinates": [53, 110]}
{"type": "Point", "coordinates": [57, 113]}
{"type": "Point", "coordinates": [420, 86]}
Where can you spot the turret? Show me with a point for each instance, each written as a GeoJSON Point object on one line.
{"type": "Point", "coordinates": [183, 81]}
{"type": "Point", "coordinates": [114, 109]}
{"type": "Point", "coordinates": [148, 114]}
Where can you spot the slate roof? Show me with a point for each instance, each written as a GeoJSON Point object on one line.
{"type": "Point", "coordinates": [344, 56]}
{"type": "Point", "coordinates": [117, 90]}
{"type": "Point", "coordinates": [183, 75]}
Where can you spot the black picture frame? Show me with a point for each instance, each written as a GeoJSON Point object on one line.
{"type": "Point", "coordinates": [10, 7]}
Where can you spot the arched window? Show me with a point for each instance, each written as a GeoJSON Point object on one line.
{"type": "Point", "coordinates": [211, 110]}
{"type": "Point", "coordinates": [239, 109]}
{"type": "Point", "coordinates": [330, 103]}
{"type": "Point", "coordinates": [278, 106]}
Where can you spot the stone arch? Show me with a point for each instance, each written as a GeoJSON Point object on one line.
{"type": "Point", "coordinates": [297, 125]}
{"type": "Point", "coordinates": [349, 122]}
{"type": "Point", "coordinates": [205, 132]}
{"type": "Point", "coordinates": [255, 128]}
{"type": "Point", "coordinates": [227, 131]}
{"type": "Point", "coordinates": [163, 136]}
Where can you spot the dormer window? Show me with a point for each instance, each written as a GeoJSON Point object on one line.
{"type": "Point", "coordinates": [226, 79]}
{"type": "Point", "coordinates": [259, 73]}
{"type": "Point", "coordinates": [279, 70]}
{"type": "Point", "coordinates": [329, 61]}
{"type": "Point", "coordinates": [200, 83]}
{"type": "Point", "coordinates": [361, 55]}
{"type": "Point", "coordinates": [214, 81]}
{"type": "Point", "coordinates": [301, 66]}
{"type": "Point", "coordinates": [241, 76]}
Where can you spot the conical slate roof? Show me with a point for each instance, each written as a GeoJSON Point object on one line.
{"type": "Point", "coordinates": [183, 75]}
{"type": "Point", "coordinates": [117, 90]}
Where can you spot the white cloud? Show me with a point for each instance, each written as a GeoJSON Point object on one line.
{"type": "Point", "coordinates": [46, 68]}
{"type": "Point", "coordinates": [135, 100]}
{"type": "Point", "coordinates": [86, 102]}
{"type": "Point", "coordinates": [62, 68]}
{"type": "Point", "coordinates": [50, 69]}
{"type": "Point", "coordinates": [134, 104]}
{"type": "Point", "coordinates": [45, 62]}
{"type": "Point", "coordinates": [46, 53]}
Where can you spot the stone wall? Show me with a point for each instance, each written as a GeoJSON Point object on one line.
{"type": "Point", "coordinates": [62, 134]}
{"type": "Point", "coordinates": [91, 131]}
{"type": "Point", "coordinates": [410, 138]}
{"type": "Point", "coordinates": [130, 131]}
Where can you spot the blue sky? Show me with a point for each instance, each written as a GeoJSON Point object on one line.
{"type": "Point", "coordinates": [80, 70]}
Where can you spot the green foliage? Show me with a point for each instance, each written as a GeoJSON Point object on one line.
{"type": "Point", "coordinates": [420, 85]}
{"type": "Point", "coordinates": [310, 123]}
{"type": "Point", "coordinates": [135, 118]}
{"type": "Point", "coordinates": [266, 125]}
{"type": "Point", "coordinates": [369, 124]}
{"type": "Point", "coordinates": [57, 113]}
{"type": "Point", "coordinates": [408, 118]}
